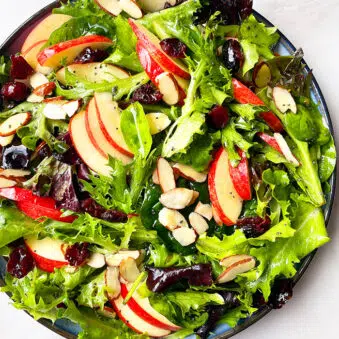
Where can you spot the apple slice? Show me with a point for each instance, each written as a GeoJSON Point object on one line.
{"type": "Point", "coordinates": [177, 198]}
{"type": "Point", "coordinates": [112, 282]}
{"type": "Point", "coordinates": [152, 44]}
{"type": "Point", "coordinates": [205, 210]}
{"type": "Point", "coordinates": [129, 270]}
{"type": "Point", "coordinates": [238, 267]}
{"type": "Point", "coordinates": [84, 146]}
{"type": "Point", "coordinates": [96, 260]}
{"type": "Point", "coordinates": [172, 219]}
{"type": "Point", "coordinates": [184, 236]}
{"type": "Point", "coordinates": [31, 56]}
{"type": "Point", "coordinates": [285, 149]}
{"type": "Point", "coordinates": [5, 141]}
{"type": "Point", "coordinates": [240, 176]}
{"type": "Point", "coordinates": [6, 183]}
{"type": "Point", "coordinates": [95, 72]}
{"type": "Point", "coordinates": [110, 6]}
{"type": "Point", "coordinates": [283, 100]}
{"type": "Point", "coordinates": [143, 308]}
{"type": "Point", "coordinates": [271, 141]}
{"type": "Point", "coordinates": [55, 55]}
{"type": "Point", "coordinates": [131, 8]}
{"type": "Point", "coordinates": [189, 173]}
{"type": "Point", "coordinates": [98, 138]}
{"type": "Point", "coordinates": [44, 29]}
{"type": "Point", "coordinates": [165, 175]}
{"type": "Point", "coordinates": [109, 115]}
{"type": "Point", "coordinates": [155, 5]}
{"type": "Point", "coordinates": [225, 200]}
{"type": "Point", "coordinates": [157, 122]}
{"type": "Point", "coordinates": [47, 253]}
{"type": "Point", "coordinates": [134, 322]}
{"type": "Point", "coordinates": [116, 258]}
{"type": "Point", "coordinates": [13, 123]}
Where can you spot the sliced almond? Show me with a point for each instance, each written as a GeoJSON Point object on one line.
{"type": "Point", "coordinates": [54, 111]}
{"type": "Point", "coordinates": [184, 236]}
{"type": "Point", "coordinates": [129, 270]}
{"type": "Point", "coordinates": [16, 173]}
{"type": "Point", "coordinates": [71, 107]}
{"type": "Point", "coordinates": [157, 122]}
{"type": "Point", "coordinates": [131, 8]}
{"type": "Point", "coordinates": [172, 219]}
{"type": "Point", "coordinates": [4, 183]}
{"type": "Point", "coordinates": [285, 149]}
{"type": "Point", "coordinates": [96, 260]}
{"type": "Point", "coordinates": [189, 173]}
{"type": "Point", "coordinates": [177, 198]}
{"type": "Point", "coordinates": [35, 98]}
{"type": "Point", "coordinates": [283, 100]}
{"type": "Point", "coordinates": [168, 87]}
{"type": "Point", "coordinates": [37, 80]}
{"type": "Point", "coordinates": [112, 282]}
{"type": "Point", "coordinates": [165, 175]}
{"type": "Point", "coordinates": [229, 261]}
{"type": "Point", "coordinates": [204, 210]}
{"type": "Point", "coordinates": [194, 198]}
{"type": "Point", "coordinates": [155, 177]}
{"type": "Point", "coordinates": [54, 99]}
{"type": "Point", "coordinates": [117, 258]}
{"type": "Point", "coordinates": [238, 267]}
{"type": "Point", "coordinates": [13, 123]}
{"type": "Point", "coordinates": [198, 223]}
{"type": "Point", "coordinates": [45, 89]}
{"type": "Point", "coordinates": [5, 141]}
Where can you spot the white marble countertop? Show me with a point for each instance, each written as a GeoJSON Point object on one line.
{"type": "Point", "coordinates": [313, 311]}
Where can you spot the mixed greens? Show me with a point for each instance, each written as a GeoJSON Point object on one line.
{"type": "Point", "coordinates": [160, 174]}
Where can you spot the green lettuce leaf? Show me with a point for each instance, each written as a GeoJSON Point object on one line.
{"type": "Point", "coordinates": [327, 161]}
{"type": "Point", "coordinates": [135, 129]}
{"type": "Point", "coordinates": [79, 8]}
{"type": "Point", "coordinates": [4, 69]}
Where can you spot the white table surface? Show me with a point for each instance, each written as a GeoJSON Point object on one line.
{"type": "Point", "coordinates": [314, 310]}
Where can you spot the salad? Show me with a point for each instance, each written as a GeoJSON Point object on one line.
{"type": "Point", "coordinates": [163, 170]}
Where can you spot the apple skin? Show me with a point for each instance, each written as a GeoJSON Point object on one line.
{"type": "Point", "coordinates": [241, 177]}
{"type": "Point", "coordinates": [153, 70]}
{"type": "Point", "coordinates": [134, 322]}
{"type": "Point", "coordinates": [85, 148]}
{"type": "Point", "coordinates": [142, 312]}
{"type": "Point", "coordinates": [152, 44]}
{"type": "Point", "coordinates": [97, 137]}
{"type": "Point", "coordinates": [44, 29]}
{"type": "Point", "coordinates": [108, 115]}
{"type": "Point", "coordinates": [270, 141]}
{"type": "Point", "coordinates": [244, 95]}
{"type": "Point", "coordinates": [52, 56]}
{"type": "Point", "coordinates": [223, 195]}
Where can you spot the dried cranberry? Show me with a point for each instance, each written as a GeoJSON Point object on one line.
{"type": "Point", "coordinates": [91, 55]}
{"type": "Point", "coordinates": [15, 157]}
{"type": "Point", "coordinates": [232, 55]}
{"type": "Point", "coordinates": [282, 292]}
{"type": "Point", "coordinates": [218, 117]}
{"type": "Point", "coordinates": [16, 91]}
{"type": "Point", "coordinates": [147, 94]}
{"type": "Point", "coordinates": [20, 262]}
{"type": "Point", "coordinates": [77, 254]}
{"type": "Point", "coordinates": [254, 227]}
{"type": "Point", "coordinates": [258, 300]}
{"type": "Point", "coordinates": [20, 69]}
{"type": "Point", "coordinates": [95, 210]}
{"type": "Point", "coordinates": [174, 47]}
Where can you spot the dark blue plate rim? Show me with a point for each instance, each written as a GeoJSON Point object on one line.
{"type": "Point", "coordinates": [306, 261]}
